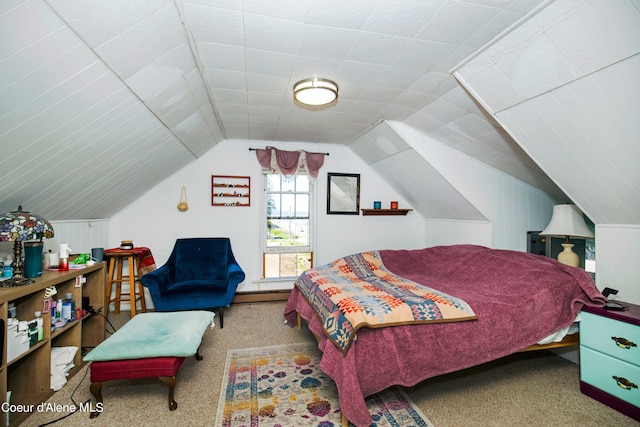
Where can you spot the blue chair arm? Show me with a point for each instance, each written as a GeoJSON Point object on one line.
{"type": "Point", "coordinates": [157, 280]}
{"type": "Point", "coordinates": [235, 276]}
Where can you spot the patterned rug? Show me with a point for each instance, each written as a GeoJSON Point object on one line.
{"type": "Point", "coordinates": [283, 386]}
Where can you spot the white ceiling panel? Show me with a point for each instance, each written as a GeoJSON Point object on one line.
{"type": "Point", "coordinates": [456, 22]}
{"type": "Point", "coordinates": [405, 21]}
{"type": "Point", "coordinates": [578, 118]}
{"type": "Point", "coordinates": [191, 73]}
{"type": "Point", "coordinates": [588, 51]}
{"type": "Point", "coordinates": [26, 24]}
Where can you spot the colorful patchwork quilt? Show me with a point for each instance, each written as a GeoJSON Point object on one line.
{"type": "Point", "coordinates": [359, 291]}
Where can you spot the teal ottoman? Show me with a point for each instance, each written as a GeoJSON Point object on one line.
{"type": "Point", "coordinates": [149, 345]}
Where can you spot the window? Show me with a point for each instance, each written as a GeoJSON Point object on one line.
{"type": "Point", "coordinates": [288, 225]}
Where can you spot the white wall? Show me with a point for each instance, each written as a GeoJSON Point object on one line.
{"type": "Point", "coordinates": [560, 84]}
{"type": "Point", "coordinates": [80, 235]}
{"type": "Point", "coordinates": [511, 206]}
{"type": "Point", "coordinates": [449, 232]}
{"type": "Point", "coordinates": [617, 258]}
{"type": "Point", "coordinates": [154, 221]}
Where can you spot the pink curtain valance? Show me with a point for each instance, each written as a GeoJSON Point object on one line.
{"type": "Point", "coordinates": [289, 163]}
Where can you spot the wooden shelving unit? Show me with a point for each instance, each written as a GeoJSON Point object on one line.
{"type": "Point", "coordinates": [380, 212]}
{"type": "Point", "coordinates": [28, 375]}
{"type": "Point", "coordinates": [228, 190]}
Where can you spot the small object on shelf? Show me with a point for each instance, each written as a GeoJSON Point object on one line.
{"type": "Point", "coordinates": [394, 205]}
{"type": "Point", "coordinates": [17, 339]}
{"type": "Point", "coordinates": [33, 333]}
{"type": "Point", "coordinates": [380, 212]}
{"type": "Point", "coordinates": [39, 325]}
{"type": "Point", "coordinates": [65, 250]}
{"type": "Point", "coordinates": [69, 308]}
{"type": "Point", "coordinates": [377, 204]}
{"type": "Point", "coordinates": [7, 270]}
{"type": "Point", "coordinates": [59, 323]}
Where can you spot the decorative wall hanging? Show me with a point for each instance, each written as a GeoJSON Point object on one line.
{"type": "Point", "coordinates": [343, 193]}
{"type": "Point", "coordinates": [183, 205]}
{"type": "Point", "coordinates": [228, 190]}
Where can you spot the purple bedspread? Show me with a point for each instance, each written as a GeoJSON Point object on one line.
{"type": "Point", "coordinates": [519, 298]}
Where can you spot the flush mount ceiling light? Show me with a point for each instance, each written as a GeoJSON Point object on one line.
{"type": "Point", "coordinates": [315, 91]}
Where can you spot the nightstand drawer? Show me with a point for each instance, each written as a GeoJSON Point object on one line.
{"type": "Point", "coordinates": [599, 370]}
{"type": "Point", "coordinates": [597, 332]}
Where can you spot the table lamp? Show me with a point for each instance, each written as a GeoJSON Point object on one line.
{"type": "Point", "coordinates": [567, 221]}
{"type": "Point", "coordinates": [19, 226]}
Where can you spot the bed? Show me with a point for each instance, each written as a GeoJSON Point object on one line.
{"type": "Point", "coordinates": [510, 301]}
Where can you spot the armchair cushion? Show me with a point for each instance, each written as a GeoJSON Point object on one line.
{"type": "Point", "coordinates": [201, 273]}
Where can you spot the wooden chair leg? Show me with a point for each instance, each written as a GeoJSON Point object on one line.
{"type": "Point", "coordinates": [107, 300]}
{"type": "Point", "coordinates": [140, 292]}
{"type": "Point", "coordinates": [171, 383]}
{"type": "Point", "coordinates": [221, 315]}
{"type": "Point", "coordinates": [96, 391]}
{"type": "Point", "coordinates": [119, 279]}
{"type": "Point", "coordinates": [132, 284]}
{"type": "Point", "coordinates": [344, 421]}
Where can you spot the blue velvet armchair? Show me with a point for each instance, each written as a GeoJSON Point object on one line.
{"type": "Point", "coordinates": [200, 274]}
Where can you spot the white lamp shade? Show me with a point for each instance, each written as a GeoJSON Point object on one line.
{"type": "Point", "coordinates": [567, 221]}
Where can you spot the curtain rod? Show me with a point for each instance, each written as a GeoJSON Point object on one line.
{"type": "Point", "coordinates": [254, 149]}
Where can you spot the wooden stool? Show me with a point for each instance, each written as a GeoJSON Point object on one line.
{"type": "Point", "coordinates": [116, 264]}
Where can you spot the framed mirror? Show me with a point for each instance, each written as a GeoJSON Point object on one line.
{"type": "Point", "coordinates": [343, 193]}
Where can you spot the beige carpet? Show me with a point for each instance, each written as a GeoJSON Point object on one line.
{"type": "Point", "coordinates": [534, 389]}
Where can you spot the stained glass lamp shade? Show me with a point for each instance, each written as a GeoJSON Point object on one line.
{"type": "Point", "coordinates": [19, 226]}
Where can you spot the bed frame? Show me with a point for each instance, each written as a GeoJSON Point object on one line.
{"type": "Point", "coordinates": [567, 341]}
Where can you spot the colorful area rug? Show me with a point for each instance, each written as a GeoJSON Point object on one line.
{"type": "Point", "coordinates": [283, 386]}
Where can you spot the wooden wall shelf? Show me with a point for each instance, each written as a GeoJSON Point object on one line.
{"type": "Point", "coordinates": [227, 190]}
{"type": "Point", "coordinates": [367, 212]}
{"type": "Point", "coordinates": [28, 374]}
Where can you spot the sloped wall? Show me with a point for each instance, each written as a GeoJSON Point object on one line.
{"type": "Point", "coordinates": [564, 85]}
{"type": "Point", "coordinates": [452, 191]}
{"type": "Point", "coordinates": [561, 84]}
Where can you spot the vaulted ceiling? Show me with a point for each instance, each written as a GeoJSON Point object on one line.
{"type": "Point", "coordinates": [110, 97]}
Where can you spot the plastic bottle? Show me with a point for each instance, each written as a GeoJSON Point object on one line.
{"type": "Point", "coordinates": [7, 271]}
{"type": "Point", "coordinates": [64, 257]}
{"type": "Point", "coordinates": [39, 325]}
{"type": "Point", "coordinates": [69, 308]}
{"type": "Point", "coordinates": [33, 333]}
{"type": "Point", "coordinates": [59, 309]}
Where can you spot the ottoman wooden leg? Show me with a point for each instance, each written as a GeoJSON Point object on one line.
{"type": "Point", "coordinates": [96, 390]}
{"type": "Point", "coordinates": [171, 383]}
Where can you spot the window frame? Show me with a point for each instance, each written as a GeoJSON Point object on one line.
{"type": "Point", "coordinates": [302, 249]}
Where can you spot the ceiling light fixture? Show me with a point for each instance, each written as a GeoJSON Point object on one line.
{"type": "Point", "coordinates": [315, 91]}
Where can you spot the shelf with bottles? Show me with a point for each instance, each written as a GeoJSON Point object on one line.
{"type": "Point", "coordinates": [25, 370]}
{"type": "Point", "coordinates": [229, 190]}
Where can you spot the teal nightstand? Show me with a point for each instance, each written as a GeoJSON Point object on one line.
{"type": "Point", "coordinates": [610, 357]}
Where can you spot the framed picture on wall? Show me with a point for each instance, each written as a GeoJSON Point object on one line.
{"type": "Point", "coordinates": [343, 194]}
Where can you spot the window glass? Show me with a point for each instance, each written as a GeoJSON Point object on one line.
{"type": "Point", "coordinates": [287, 251]}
